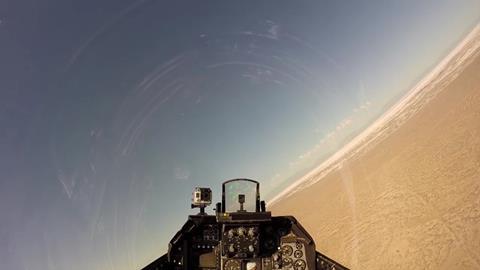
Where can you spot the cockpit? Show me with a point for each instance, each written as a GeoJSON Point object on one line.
{"type": "Point", "coordinates": [241, 235]}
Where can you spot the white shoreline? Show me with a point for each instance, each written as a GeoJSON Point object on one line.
{"type": "Point", "coordinates": [444, 72]}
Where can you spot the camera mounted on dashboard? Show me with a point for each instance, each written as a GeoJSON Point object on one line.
{"type": "Point", "coordinates": [201, 198]}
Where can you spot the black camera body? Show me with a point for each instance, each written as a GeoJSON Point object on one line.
{"type": "Point", "coordinates": [246, 237]}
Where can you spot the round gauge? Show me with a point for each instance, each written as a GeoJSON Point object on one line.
{"type": "Point", "coordinates": [287, 250]}
{"type": "Point", "coordinates": [252, 232]}
{"type": "Point", "coordinates": [251, 266]}
{"type": "Point", "coordinates": [298, 245]}
{"type": "Point", "coordinates": [300, 265]}
{"type": "Point", "coordinates": [298, 253]}
{"type": "Point", "coordinates": [287, 262]}
{"type": "Point", "coordinates": [241, 231]}
{"type": "Point", "coordinates": [232, 265]}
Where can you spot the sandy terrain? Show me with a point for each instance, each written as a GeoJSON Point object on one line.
{"type": "Point", "coordinates": [406, 195]}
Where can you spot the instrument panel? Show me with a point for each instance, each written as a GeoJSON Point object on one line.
{"type": "Point", "coordinates": [240, 241]}
{"type": "Point", "coordinates": [293, 255]}
{"type": "Point", "coordinates": [276, 245]}
{"type": "Point", "coordinates": [280, 248]}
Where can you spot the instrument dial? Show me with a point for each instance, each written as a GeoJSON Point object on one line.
{"type": "Point", "coordinates": [299, 265]}
{"type": "Point", "coordinates": [287, 262]}
{"type": "Point", "coordinates": [287, 250]}
{"type": "Point", "coordinates": [298, 253]}
{"type": "Point", "coordinates": [232, 265]}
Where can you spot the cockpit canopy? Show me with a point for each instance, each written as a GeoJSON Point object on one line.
{"type": "Point", "coordinates": [240, 195]}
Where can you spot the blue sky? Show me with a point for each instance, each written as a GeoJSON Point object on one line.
{"type": "Point", "coordinates": [113, 111]}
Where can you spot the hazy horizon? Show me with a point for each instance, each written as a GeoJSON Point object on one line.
{"type": "Point", "coordinates": [351, 141]}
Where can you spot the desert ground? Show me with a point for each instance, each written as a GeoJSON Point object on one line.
{"type": "Point", "coordinates": [410, 199]}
